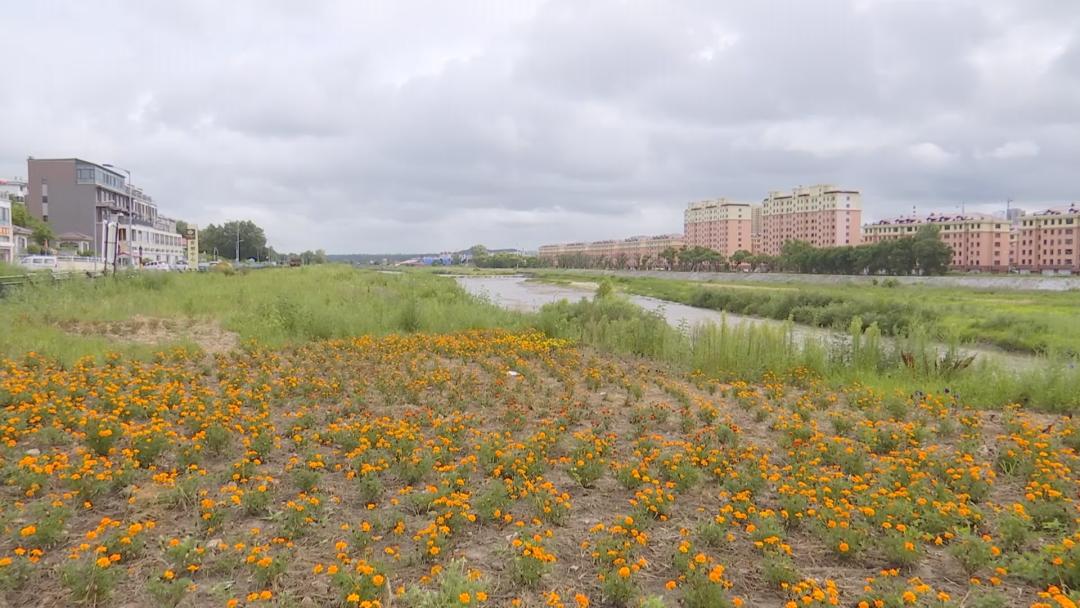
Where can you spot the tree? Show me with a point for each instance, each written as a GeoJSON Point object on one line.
{"type": "Point", "coordinates": [20, 216]}
{"type": "Point", "coordinates": [181, 227]}
{"type": "Point", "coordinates": [740, 256]}
{"type": "Point", "coordinates": [797, 256]}
{"type": "Point", "coordinates": [222, 240]}
{"type": "Point", "coordinates": [932, 255]}
{"type": "Point", "coordinates": [670, 255]}
{"type": "Point", "coordinates": [43, 233]}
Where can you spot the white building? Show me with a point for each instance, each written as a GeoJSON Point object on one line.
{"type": "Point", "coordinates": [7, 230]}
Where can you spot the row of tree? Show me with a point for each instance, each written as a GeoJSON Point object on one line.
{"type": "Point", "coordinates": [250, 240]}
{"type": "Point", "coordinates": [924, 253]}
{"type": "Point", "coordinates": [672, 258]}
{"type": "Point", "coordinates": [504, 259]}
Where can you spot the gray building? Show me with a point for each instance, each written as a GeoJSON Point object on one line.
{"type": "Point", "coordinates": [77, 196]}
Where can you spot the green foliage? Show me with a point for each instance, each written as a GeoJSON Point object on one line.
{"type": "Point", "coordinates": [604, 289]}
{"type": "Point", "coordinates": [971, 551]}
{"type": "Point", "coordinates": [923, 254]}
{"type": "Point", "coordinates": [505, 259]}
{"type": "Point", "coordinates": [454, 587]}
{"type": "Point", "coordinates": [618, 591]}
{"type": "Point", "coordinates": [221, 240]}
{"type": "Point", "coordinates": [43, 232]}
{"type": "Point", "coordinates": [89, 583]}
{"type": "Point", "coordinates": [169, 593]}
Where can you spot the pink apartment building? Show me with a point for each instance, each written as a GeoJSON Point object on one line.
{"type": "Point", "coordinates": [978, 241]}
{"type": "Point", "coordinates": [822, 215]}
{"type": "Point", "coordinates": [720, 225]}
{"type": "Point", "coordinates": [1049, 240]}
{"type": "Point", "coordinates": [633, 252]}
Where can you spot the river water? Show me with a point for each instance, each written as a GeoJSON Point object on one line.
{"type": "Point", "coordinates": [519, 293]}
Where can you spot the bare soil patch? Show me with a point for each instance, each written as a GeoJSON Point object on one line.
{"type": "Point", "coordinates": [209, 335]}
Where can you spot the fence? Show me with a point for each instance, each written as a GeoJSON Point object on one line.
{"type": "Point", "coordinates": [9, 282]}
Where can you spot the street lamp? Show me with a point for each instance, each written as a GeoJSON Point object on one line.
{"type": "Point", "coordinates": [237, 242]}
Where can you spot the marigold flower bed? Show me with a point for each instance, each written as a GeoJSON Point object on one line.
{"type": "Point", "coordinates": [500, 469]}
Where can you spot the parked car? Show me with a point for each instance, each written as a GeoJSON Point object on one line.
{"type": "Point", "coordinates": [157, 266]}
{"type": "Point", "coordinates": [181, 266]}
{"type": "Point", "coordinates": [39, 262]}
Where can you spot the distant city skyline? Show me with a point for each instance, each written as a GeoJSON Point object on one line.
{"type": "Point", "coordinates": [423, 125]}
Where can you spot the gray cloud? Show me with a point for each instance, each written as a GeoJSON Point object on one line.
{"type": "Point", "coordinates": [412, 125]}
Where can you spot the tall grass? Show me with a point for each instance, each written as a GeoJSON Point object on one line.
{"type": "Point", "coordinates": [726, 351]}
{"type": "Point", "coordinates": [1031, 322]}
{"type": "Point", "coordinates": [273, 306]}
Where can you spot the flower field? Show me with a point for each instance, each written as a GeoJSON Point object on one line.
{"type": "Point", "coordinates": [496, 468]}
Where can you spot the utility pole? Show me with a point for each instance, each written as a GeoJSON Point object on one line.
{"type": "Point", "coordinates": [238, 242]}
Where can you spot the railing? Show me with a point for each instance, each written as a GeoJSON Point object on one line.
{"type": "Point", "coordinates": [10, 282]}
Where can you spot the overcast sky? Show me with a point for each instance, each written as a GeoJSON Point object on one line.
{"type": "Point", "coordinates": [422, 126]}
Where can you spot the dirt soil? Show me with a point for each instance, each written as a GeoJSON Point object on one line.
{"type": "Point", "coordinates": [207, 334]}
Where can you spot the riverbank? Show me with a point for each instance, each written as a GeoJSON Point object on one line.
{"type": "Point", "coordinates": [724, 348]}
{"type": "Point", "coordinates": [518, 292]}
{"type": "Point", "coordinates": [1029, 322]}
{"type": "Point", "coordinates": [1014, 282]}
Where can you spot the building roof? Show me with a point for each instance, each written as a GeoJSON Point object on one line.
{"type": "Point", "coordinates": [74, 236]}
{"type": "Point", "coordinates": [934, 218]}
{"type": "Point", "coordinates": [1071, 209]}
{"type": "Point", "coordinates": [22, 230]}
{"type": "Point", "coordinates": [112, 170]}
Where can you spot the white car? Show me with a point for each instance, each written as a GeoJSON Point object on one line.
{"type": "Point", "coordinates": [157, 266]}
{"type": "Point", "coordinates": [181, 266]}
{"type": "Point", "coordinates": [40, 262]}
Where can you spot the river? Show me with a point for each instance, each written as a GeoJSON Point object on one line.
{"type": "Point", "coordinates": [519, 293]}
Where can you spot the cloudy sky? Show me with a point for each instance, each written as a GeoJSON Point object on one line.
{"type": "Point", "coordinates": [399, 125]}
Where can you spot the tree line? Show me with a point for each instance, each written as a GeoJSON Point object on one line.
{"type": "Point", "coordinates": [924, 253]}
{"type": "Point", "coordinates": [921, 254]}
{"type": "Point", "coordinates": [221, 242]}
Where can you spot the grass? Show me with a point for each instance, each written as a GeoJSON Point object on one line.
{"type": "Point", "coordinates": [271, 306]}
{"type": "Point", "coordinates": [140, 315]}
{"type": "Point", "coordinates": [1021, 321]}
{"type": "Point", "coordinates": [754, 353]}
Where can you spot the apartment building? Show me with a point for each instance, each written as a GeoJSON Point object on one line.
{"type": "Point", "coordinates": [14, 189]}
{"type": "Point", "coordinates": [80, 197]}
{"type": "Point", "coordinates": [721, 225]}
{"type": "Point", "coordinates": [7, 230]}
{"type": "Point", "coordinates": [978, 241]}
{"type": "Point", "coordinates": [822, 215]}
{"type": "Point", "coordinates": [1049, 240]}
{"type": "Point", "coordinates": [633, 252]}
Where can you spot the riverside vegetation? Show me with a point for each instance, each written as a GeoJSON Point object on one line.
{"type": "Point", "coordinates": [375, 440]}
{"type": "Point", "coordinates": [1021, 321]}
